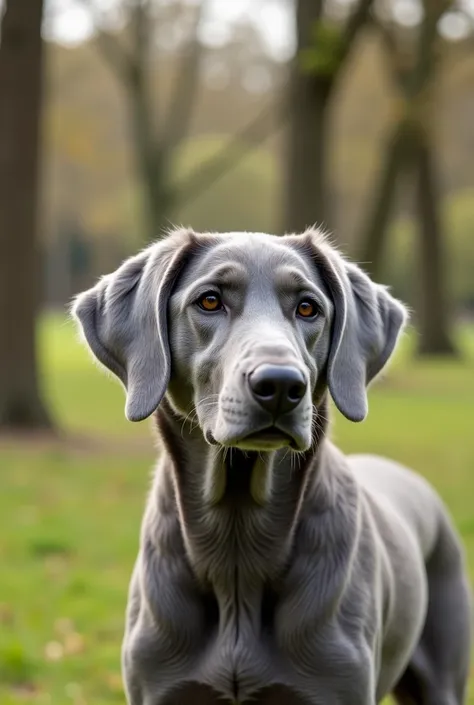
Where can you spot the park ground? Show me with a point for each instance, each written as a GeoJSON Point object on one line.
{"type": "Point", "coordinates": [70, 509]}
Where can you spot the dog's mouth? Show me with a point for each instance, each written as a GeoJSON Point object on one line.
{"type": "Point", "coordinates": [261, 436]}
{"type": "Point", "coordinates": [270, 438]}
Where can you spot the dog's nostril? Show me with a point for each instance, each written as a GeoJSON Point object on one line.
{"type": "Point", "coordinates": [296, 392]}
{"type": "Point", "coordinates": [265, 389]}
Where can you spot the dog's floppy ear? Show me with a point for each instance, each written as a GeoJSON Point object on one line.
{"type": "Point", "coordinates": [366, 325]}
{"type": "Point", "coordinates": [124, 321]}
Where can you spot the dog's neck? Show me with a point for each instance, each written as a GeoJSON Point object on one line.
{"type": "Point", "coordinates": [237, 510]}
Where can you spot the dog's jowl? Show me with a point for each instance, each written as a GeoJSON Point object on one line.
{"type": "Point", "coordinates": [272, 568]}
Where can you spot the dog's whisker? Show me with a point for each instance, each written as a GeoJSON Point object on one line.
{"type": "Point", "coordinates": [210, 397]}
{"type": "Point", "coordinates": [190, 414]}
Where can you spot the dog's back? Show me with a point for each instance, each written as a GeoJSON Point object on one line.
{"type": "Point", "coordinates": [405, 492]}
{"type": "Point", "coordinates": [420, 540]}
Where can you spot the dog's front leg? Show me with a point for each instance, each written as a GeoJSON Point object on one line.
{"type": "Point", "coordinates": [165, 628]}
{"type": "Point", "coordinates": [332, 667]}
{"type": "Point", "coordinates": [326, 623]}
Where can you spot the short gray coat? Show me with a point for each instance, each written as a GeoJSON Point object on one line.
{"type": "Point", "coordinates": [276, 572]}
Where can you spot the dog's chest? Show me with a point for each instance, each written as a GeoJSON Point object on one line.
{"type": "Point", "coordinates": [239, 562]}
{"type": "Point", "coordinates": [239, 660]}
{"type": "Point", "coordinates": [241, 630]}
{"type": "Point", "coordinates": [241, 657]}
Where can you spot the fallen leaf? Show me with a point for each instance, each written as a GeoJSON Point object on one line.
{"type": "Point", "coordinates": [53, 651]}
{"type": "Point", "coordinates": [73, 643]}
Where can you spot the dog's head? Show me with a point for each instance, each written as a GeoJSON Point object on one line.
{"type": "Point", "coordinates": [245, 330]}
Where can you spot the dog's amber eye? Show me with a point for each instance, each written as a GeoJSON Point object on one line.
{"type": "Point", "coordinates": [306, 309]}
{"type": "Point", "coordinates": [210, 301]}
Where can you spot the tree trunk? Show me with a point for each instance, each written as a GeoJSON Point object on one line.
{"type": "Point", "coordinates": [306, 163]}
{"type": "Point", "coordinates": [308, 99]}
{"type": "Point", "coordinates": [311, 87]}
{"type": "Point", "coordinates": [20, 95]}
{"type": "Point", "coordinates": [435, 337]}
{"type": "Point", "coordinates": [374, 233]}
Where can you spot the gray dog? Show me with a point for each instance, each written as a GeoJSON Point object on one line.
{"type": "Point", "coordinates": [273, 569]}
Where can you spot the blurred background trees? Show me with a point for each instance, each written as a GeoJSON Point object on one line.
{"type": "Point", "coordinates": [324, 45]}
{"type": "Point", "coordinates": [158, 129]}
{"type": "Point", "coordinates": [411, 151]}
{"type": "Point", "coordinates": [132, 57]}
{"type": "Point", "coordinates": [357, 115]}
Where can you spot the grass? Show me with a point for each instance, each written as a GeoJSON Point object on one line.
{"type": "Point", "coordinates": [70, 510]}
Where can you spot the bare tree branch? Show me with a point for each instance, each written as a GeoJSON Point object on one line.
{"type": "Point", "coordinates": [356, 21]}
{"type": "Point", "coordinates": [139, 80]}
{"type": "Point", "coordinates": [140, 21]}
{"type": "Point", "coordinates": [398, 67]}
{"type": "Point", "coordinates": [426, 53]}
{"type": "Point", "coordinates": [251, 136]}
{"type": "Point", "coordinates": [116, 55]}
{"type": "Point", "coordinates": [412, 79]}
{"type": "Point", "coordinates": [119, 59]}
{"type": "Point", "coordinates": [154, 148]}
{"type": "Point", "coordinates": [179, 113]}
{"type": "Point", "coordinates": [315, 40]}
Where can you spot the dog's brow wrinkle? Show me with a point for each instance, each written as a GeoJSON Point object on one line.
{"type": "Point", "coordinates": [291, 278]}
{"type": "Point", "coordinates": [232, 275]}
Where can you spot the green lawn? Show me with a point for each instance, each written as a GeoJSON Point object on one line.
{"type": "Point", "coordinates": [70, 510]}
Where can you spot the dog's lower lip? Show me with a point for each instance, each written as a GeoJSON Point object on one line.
{"type": "Point", "coordinates": [268, 434]}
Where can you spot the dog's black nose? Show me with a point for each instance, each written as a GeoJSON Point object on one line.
{"type": "Point", "coordinates": [277, 388]}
